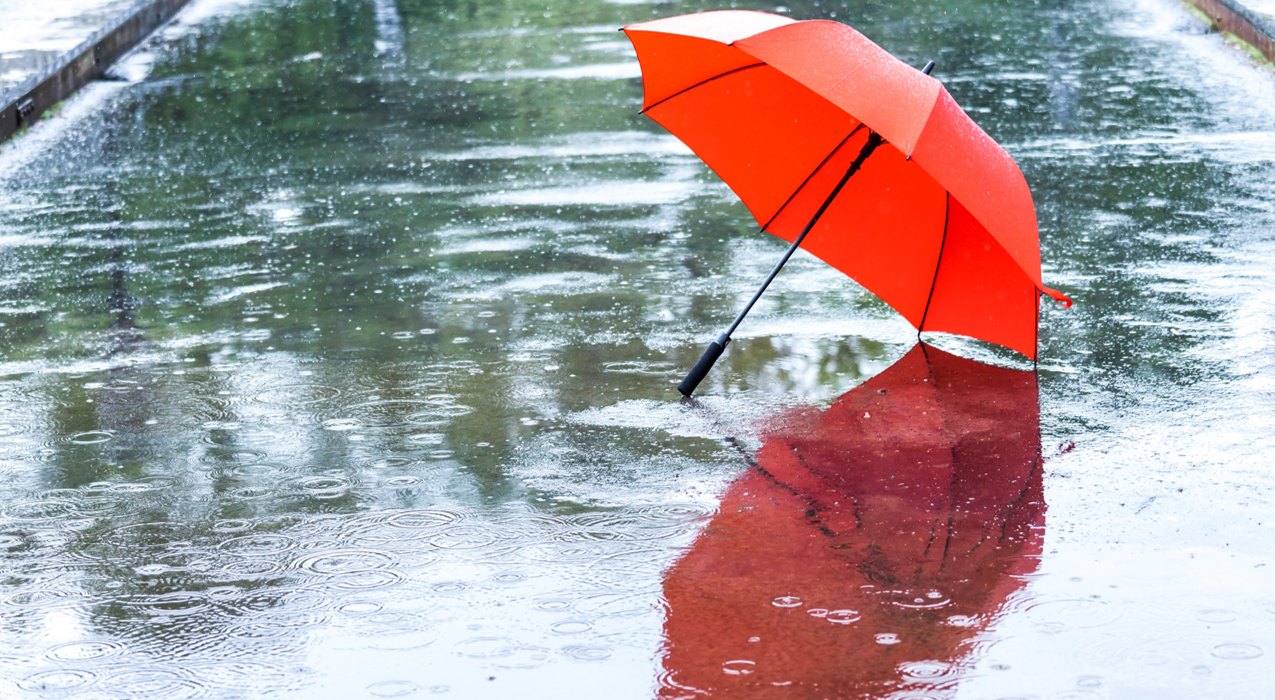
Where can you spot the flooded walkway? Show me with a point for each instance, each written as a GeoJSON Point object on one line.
{"type": "Point", "coordinates": [338, 360]}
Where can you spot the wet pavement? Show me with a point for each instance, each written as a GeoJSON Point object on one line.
{"type": "Point", "coordinates": [337, 354]}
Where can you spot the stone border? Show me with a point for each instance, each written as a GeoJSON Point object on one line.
{"type": "Point", "coordinates": [1231, 16]}
{"type": "Point", "coordinates": [23, 104]}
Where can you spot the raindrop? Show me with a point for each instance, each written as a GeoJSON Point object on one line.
{"type": "Point", "coordinates": [554, 605]}
{"type": "Point", "coordinates": [158, 683]}
{"type": "Point", "coordinates": [786, 601]}
{"type": "Point", "coordinates": [251, 493]}
{"type": "Point", "coordinates": [571, 627]}
{"type": "Point", "coordinates": [423, 519]}
{"type": "Point", "coordinates": [42, 509]}
{"type": "Point", "coordinates": [485, 648]}
{"type": "Point", "coordinates": [342, 424]}
{"type": "Point", "coordinates": [232, 526]}
{"type": "Point", "coordinates": [587, 653]}
{"type": "Point", "coordinates": [1237, 651]}
{"type": "Point", "coordinates": [344, 561]}
{"type": "Point", "coordinates": [402, 481]}
{"type": "Point", "coordinates": [843, 617]}
{"type": "Point", "coordinates": [389, 463]}
{"type": "Point", "coordinates": [438, 410]}
{"type": "Point", "coordinates": [1217, 616]}
{"type": "Point", "coordinates": [392, 689]}
{"type": "Point", "coordinates": [90, 437]}
{"type": "Point", "coordinates": [57, 681]}
{"type": "Point", "coordinates": [263, 545]}
{"type": "Point", "coordinates": [175, 604]}
{"type": "Point", "coordinates": [85, 650]}
{"type": "Point", "coordinates": [367, 580]}
{"type": "Point", "coordinates": [324, 487]}
{"type": "Point", "coordinates": [297, 394]}
{"type": "Point", "coordinates": [252, 568]}
{"type": "Point", "coordinates": [160, 535]}
{"type": "Point", "coordinates": [463, 538]}
{"type": "Point", "coordinates": [920, 601]}
{"type": "Point", "coordinates": [358, 608]}
{"type": "Point", "coordinates": [925, 670]}
{"type": "Point", "coordinates": [739, 667]}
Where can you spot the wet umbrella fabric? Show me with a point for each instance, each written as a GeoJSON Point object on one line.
{"type": "Point", "coordinates": [868, 542]}
{"type": "Point", "coordinates": [938, 222]}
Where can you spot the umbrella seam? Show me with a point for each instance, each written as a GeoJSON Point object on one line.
{"type": "Point", "coordinates": [701, 83]}
{"type": "Point", "coordinates": [951, 516]}
{"type": "Point", "coordinates": [812, 174]}
{"type": "Point", "coordinates": [1037, 465]}
{"type": "Point", "coordinates": [913, 138]}
{"type": "Point", "coordinates": [812, 512]}
{"type": "Point", "coordinates": [938, 262]}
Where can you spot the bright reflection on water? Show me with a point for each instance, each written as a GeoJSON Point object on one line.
{"type": "Point", "coordinates": [337, 352]}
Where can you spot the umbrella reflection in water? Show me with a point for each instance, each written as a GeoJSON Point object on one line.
{"type": "Point", "coordinates": [868, 544]}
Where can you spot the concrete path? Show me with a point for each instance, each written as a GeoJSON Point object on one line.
{"type": "Point", "coordinates": [1252, 21]}
{"type": "Point", "coordinates": [51, 48]}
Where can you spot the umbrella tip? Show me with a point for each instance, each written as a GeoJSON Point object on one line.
{"type": "Point", "coordinates": [928, 67]}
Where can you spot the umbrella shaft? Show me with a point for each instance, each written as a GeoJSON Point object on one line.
{"type": "Point", "coordinates": [869, 146]}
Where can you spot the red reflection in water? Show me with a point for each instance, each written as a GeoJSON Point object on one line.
{"type": "Point", "coordinates": [870, 543]}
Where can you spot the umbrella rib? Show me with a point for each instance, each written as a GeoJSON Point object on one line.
{"type": "Point", "coordinates": [701, 83]}
{"type": "Point", "coordinates": [947, 218]}
{"type": "Point", "coordinates": [812, 511]}
{"type": "Point", "coordinates": [870, 146]}
{"type": "Point", "coordinates": [811, 176]}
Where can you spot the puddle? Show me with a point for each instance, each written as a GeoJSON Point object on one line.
{"type": "Point", "coordinates": [337, 355]}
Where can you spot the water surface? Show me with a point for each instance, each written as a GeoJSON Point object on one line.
{"type": "Point", "coordinates": [337, 354]}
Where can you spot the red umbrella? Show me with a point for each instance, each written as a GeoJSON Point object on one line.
{"type": "Point", "coordinates": [869, 542]}
{"type": "Point", "coordinates": [868, 163]}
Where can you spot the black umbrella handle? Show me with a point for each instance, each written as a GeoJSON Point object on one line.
{"type": "Point", "coordinates": [706, 362]}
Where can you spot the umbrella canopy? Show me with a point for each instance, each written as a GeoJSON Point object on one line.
{"type": "Point", "coordinates": [938, 222]}
{"type": "Point", "coordinates": [868, 542]}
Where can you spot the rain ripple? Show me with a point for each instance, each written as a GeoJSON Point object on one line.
{"type": "Point", "coordinates": [386, 527]}
{"type": "Point", "coordinates": [292, 394]}
{"type": "Point", "coordinates": [343, 561]}
{"type": "Point", "coordinates": [503, 652]}
{"type": "Point", "coordinates": [259, 545]}
{"type": "Point", "coordinates": [168, 605]}
{"type": "Point", "coordinates": [156, 683]}
{"type": "Point", "coordinates": [60, 681]}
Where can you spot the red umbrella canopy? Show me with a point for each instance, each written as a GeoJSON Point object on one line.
{"type": "Point", "coordinates": [869, 542]}
{"type": "Point", "coordinates": [938, 223]}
